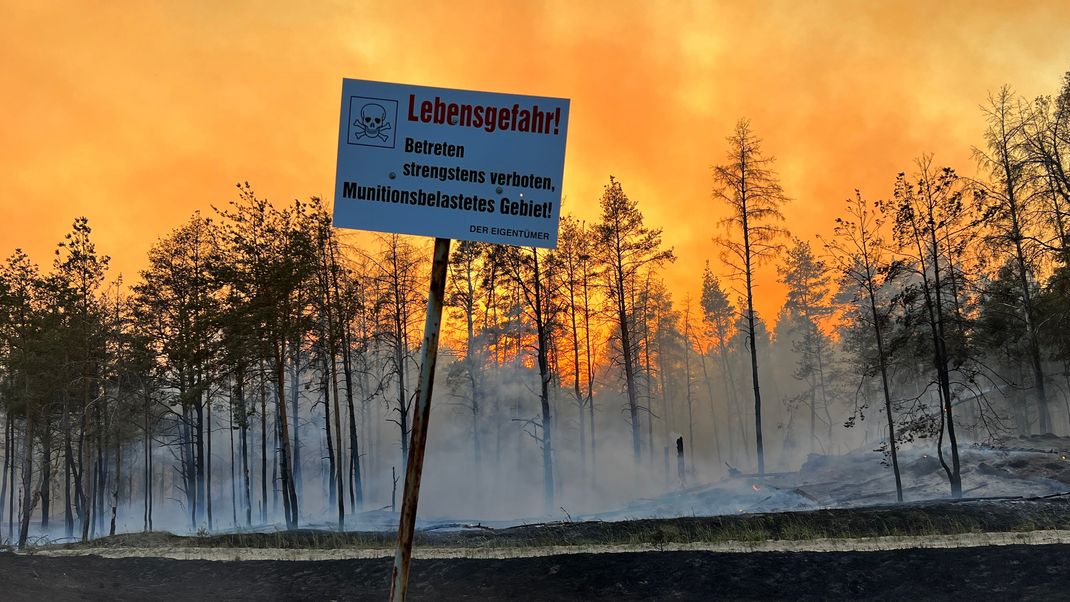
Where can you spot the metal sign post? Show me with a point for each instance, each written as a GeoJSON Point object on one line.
{"type": "Point", "coordinates": [453, 164]}
{"type": "Point", "coordinates": [399, 578]}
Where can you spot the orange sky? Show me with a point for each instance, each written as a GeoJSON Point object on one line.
{"type": "Point", "coordinates": [138, 113]}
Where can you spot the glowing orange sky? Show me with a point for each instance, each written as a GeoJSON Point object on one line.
{"type": "Point", "coordinates": [136, 114]}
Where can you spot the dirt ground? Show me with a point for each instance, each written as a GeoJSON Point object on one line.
{"type": "Point", "coordinates": [996, 572]}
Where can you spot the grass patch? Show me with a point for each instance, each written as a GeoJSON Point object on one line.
{"type": "Point", "coordinates": [912, 519]}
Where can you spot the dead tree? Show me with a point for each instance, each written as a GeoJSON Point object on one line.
{"type": "Point", "coordinates": [748, 186]}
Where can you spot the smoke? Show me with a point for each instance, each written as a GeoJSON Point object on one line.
{"type": "Point", "coordinates": [505, 485]}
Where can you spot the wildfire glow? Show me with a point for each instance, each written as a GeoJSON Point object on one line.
{"type": "Point", "coordinates": [137, 114]}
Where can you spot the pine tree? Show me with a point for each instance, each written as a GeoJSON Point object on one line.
{"type": "Point", "coordinates": [626, 247]}
{"type": "Point", "coordinates": [747, 185]}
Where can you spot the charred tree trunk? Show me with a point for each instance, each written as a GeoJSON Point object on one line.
{"type": "Point", "coordinates": [247, 492]}
{"type": "Point", "coordinates": [147, 517]}
{"type": "Point", "coordinates": [882, 363]}
{"type": "Point", "coordinates": [403, 408]}
{"type": "Point", "coordinates": [295, 381]}
{"type": "Point", "coordinates": [325, 385]}
{"type": "Point", "coordinates": [8, 432]}
{"type": "Point", "coordinates": [687, 383]}
{"type": "Point", "coordinates": [629, 366]}
{"type": "Point", "coordinates": [289, 493]}
{"type": "Point", "coordinates": [68, 462]}
{"type": "Point", "coordinates": [263, 449]}
{"type": "Point", "coordinates": [102, 469]}
{"type": "Point", "coordinates": [11, 479]}
{"type": "Point", "coordinates": [46, 473]}
{"type": "Point", "coordinates": [590, 369]}
{"type": "Point", "coordinates": [544, 392]}
{"type": "Point", "coordinates": [748, 273]}
{"type": "Point", "coordinates": [118, 482]}
{"type": "Point", "coordinates": [27, 481]}
{"type": "Point", "coordinates": [332, 340]}
{"type": "Point", "coordinates": [233, 464]}
{"type": "Point", "coordinates": [356, 488]}
{"type": "Point", "coordinates": [208, 461]}
{"type": "Point", "coordinates": [87, 503]}
{"type": "Point", "coordinates": [198, 458]}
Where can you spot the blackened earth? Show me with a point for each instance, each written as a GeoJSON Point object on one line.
{"type": "Point", "coordinates": [1040, 572]}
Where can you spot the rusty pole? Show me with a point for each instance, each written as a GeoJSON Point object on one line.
{"type": "Point", "coordinates": [399, 579]}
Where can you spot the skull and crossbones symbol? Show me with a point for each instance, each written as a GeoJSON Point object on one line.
{"type": "Point", "coordinates": [372, 122]}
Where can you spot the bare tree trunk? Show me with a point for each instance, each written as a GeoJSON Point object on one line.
{"type": "Point", "coordinates": [87, 504]}
{"type": "Point", "coordinates": [11, 479]}
{"type": "Point", "coordinates": [713, 417]}
{"type": "Point", "coordinates": [544, 393]}
{"type": "Point", "coordinates": [233, 466]}
{"type": "Point", "coordinates": [7, 464]}
{"type": "Point", "coordinates": [27, 481]}
{"type": "Point", "coordinates": [289, 493]}
{"type": "Point", "coordinates": [68, 461]}
{"type": "Point", "coordinates": [338, 438]}
{"type": "Point", "coordinates": [883, 364]}
{"type": "Point", "coordinates": [333, 337]}
{"type": "Point", "coordinates": [208, 461]}
{"type": "Point", "coordinates": [629, 369]}
{"type": "Point", "coordinates": [933, 294]}
{"type": "Point", "coordinates": [649, 374]}
{"type": "Point", "coordinates": [590, 370]}
{"type": "Point", "coordinates": [102, 469]}
{"type": "Point", "coordinates": [147, 515]}
{"type": "Point", "coordinates": [189, 476]}
{"type": "Point", "coordinates": [198, 458]}
{"type": "Point", "coordinates": [247, 492]}
{"type": "Point", "coordinates": [403, 408]}
{"type": "Point", "coordinates": [263, 449]}
{"type": "Point", "coordinates": [687, 383]}
{"type": "Point", "coordinates": [118, 483]}
{"type": "Point", "coordinates": [295, 382]}
{"type": "Point", "coordinates": [758, 439]}
{"type": "Point", "coordinates": [332, 468]}
{"type": "Point", "coordinates": [576, 375]}
{"type": "Point", "coordinates": [356, 488]}
{"type": "Point", "coordinates": [46, 472]}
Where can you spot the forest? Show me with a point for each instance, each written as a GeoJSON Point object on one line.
{"type": "Point", "coordinates": [260, 371]}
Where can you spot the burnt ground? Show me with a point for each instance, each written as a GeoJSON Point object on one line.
{"type": "Point", "coordinates": [922, 518]}
{"type": "Point", "coordinates": [1037, 469]}
{"type": "Point", "coordinates": [999, 572]}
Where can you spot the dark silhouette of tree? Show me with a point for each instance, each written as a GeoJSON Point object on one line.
{"type": "Point", "coordinates": [79, 271]}
{"type": "Point", "coordinates": [398, 269]}
{"type": "Point", "coordinates": [464, 294]}
{"type": "Point", "coordinates": [535, 282]}
{"type": "Point", "coordinates": [269, 259]}
{"type": "Point", "coordinates": [177, 305]}
{"type": "Point", "coordinates": [930, 224]}
{"type": "Point", "coordinates": [1010, 211]}
{"type": "Point", "coordinates": [626, 246]}
{"type": "Point", "coordinates": [867, 274]}
{"type": "Point", "coordinates": [747, 185]}
{"type": "Point", "coordinates": [807, 308]}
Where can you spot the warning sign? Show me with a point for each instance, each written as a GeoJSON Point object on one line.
{"type": "Point", "coordinates": [450, 163]}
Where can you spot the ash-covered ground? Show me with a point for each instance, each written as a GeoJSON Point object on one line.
{"type": "Point", "coordinates": [1034, 466]}
{"type": "Point", "coordinates": [671, 547]}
